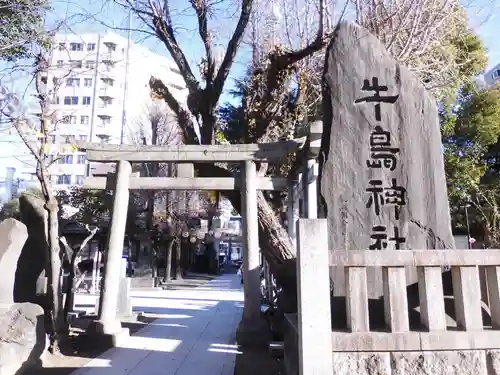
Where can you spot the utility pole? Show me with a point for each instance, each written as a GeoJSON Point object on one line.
{"type": "Point", "coordinates": [125, 86]}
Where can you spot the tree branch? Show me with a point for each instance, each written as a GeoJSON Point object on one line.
{"type": "Point", "coordinates": [165, 32]}
{"type": "Point", "coordinates": [232, 49]}
{"type": "Point", "coordinates": [201, 9]}
{"type": "Point", "coordinates": [183, 117]}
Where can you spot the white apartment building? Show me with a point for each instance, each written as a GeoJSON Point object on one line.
{"type": "Point", "coordinates": [492, 76]}
{"type": "Point", "coordinates": [86, 81]}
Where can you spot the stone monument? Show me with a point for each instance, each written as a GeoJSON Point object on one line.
{"type": "Point", "coordinates": [31, 268]}
{"type": "Point", "coordinates": [13, 235]}
{"type": "Point", "coordinates": [382, 179]}
{"type": "Point", "coordinates": [22, 330]}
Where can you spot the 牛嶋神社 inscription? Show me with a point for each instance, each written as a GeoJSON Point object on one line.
{"type": "Point", "coordinates": [382, 180]}
{"type": "Point", "coordinates": [382, 156]}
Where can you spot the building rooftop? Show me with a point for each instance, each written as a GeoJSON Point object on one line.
{"type": "Point", "coordinates": [493, 75]}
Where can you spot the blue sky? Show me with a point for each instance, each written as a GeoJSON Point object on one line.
{"type": "Point", "coordinates": [484, 17]}
{"type": "Point", "coordinates": [99, 15]}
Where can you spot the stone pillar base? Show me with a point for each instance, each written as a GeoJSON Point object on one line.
{"type": "Point", "coordinates": [253, 334]}
{"type": "Point", "coordinates": [108, 334]}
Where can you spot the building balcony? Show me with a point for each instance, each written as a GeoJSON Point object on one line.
{"type": "Point", "coordinates": [111, 46]}
{"type": "Point", "coordinates": [104, 132]}
{"type": "Point", "coordinates": [106, 112]}
{"type": "Point", "coordinates": [107, 71]}
{"type": "Point", "coordinates": [108, 58]}
{"type": "Point", "coordinates": [108, 92]}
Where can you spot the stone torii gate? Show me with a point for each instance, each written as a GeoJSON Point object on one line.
{"type": "Point", "coordinates": [122, 181]}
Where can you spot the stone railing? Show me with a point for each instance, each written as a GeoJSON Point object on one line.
{"type": "Point", "coordinates": [434, 332]}
{"type": "Point", "coordinates": [446, 329]}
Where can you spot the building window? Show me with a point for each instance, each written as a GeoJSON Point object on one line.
{"type": "Point", "coordinates": [76, 46]}
{"type": "Point", "coordinates": [62, 46]}
{"type": "Point", "coordinates": [81, 158]}
{"type": "Point", "coordinates": [86, 100]}
{"type": "Point", "coordinates": [106, 102]}
{"type": "Point", "coordinates": [69, 139]}
{"type": "Point", "coordinates": [60, 63]}
{"type": "Point", "coordinates": [90, 46]}
{"type": "Point", "coordinates": [79, 180]}
{"type": "Point", "coordinates": [84, 120]}
{"type": "Point", "coordinates": [75, 63]}
{"type": "Point", "coordinates": [90, 64]}
{"type": "Point", "coordinates": [105, 121]}
{"type": "Point", "coordinates": [69, 119]}
{"type": "Point", "coordinates": [82, 137]}
{"type": "Point", "coordinates": [87, 82]}
{"type": "Point", "coordinates": [109, 82]}
{"type": "Point", "coordinates": [64, 179]}
{"type": "Point", "coordinates": [108, 65]}
{"type": "Point", "coordinates": [66, 159]}
{"type": "Point", "coordinates": [71, 100]}
{"type": "Point", "coordinates": [73, 82]}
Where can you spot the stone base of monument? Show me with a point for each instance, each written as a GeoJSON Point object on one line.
{"type": "Point", "coordinates": [253, 333]}
{"type": "Point", "coordinates": [22, 337]}
{"type": "Point", "coordinates": [108, 334]}
{"type": "Point", "coordinates": [142, 282]}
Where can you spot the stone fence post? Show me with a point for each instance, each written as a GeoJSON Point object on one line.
{"type": "Point", "coordinates": [313, 298]}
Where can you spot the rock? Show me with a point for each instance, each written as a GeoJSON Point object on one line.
{"type": "Point", "coordinates": [361, 363]}
{"type": "Point", "coordinates": [30, 273]}
{"type": "Point", "coordinates": [493, 362]}
{"type": "Point", "coordinates": [22, 337]}
{"type": "Point", "coordinates": [13, 235]}
{"type": "Point", "coordinates": [382, 179]}
{"type": "Point", "coordinates": [467, 362]}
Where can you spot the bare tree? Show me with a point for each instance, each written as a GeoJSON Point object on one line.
{"type": "Point", "coordinates": [74, 258]}
{"type": "Point", "coordinates": [199, 121]}
{"type": "Point", "coordinates": [38, 134]}
{"type": "Point", "coordinates": [155, 126]}
{"type": "Point", "coordinates": [287, 41]}
{"type": "Point", "coordinates": [177, 213]}
{"type": "Point", "coordinates": [429, 37]}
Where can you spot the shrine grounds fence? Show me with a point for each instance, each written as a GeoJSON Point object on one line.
{"type": "Point", "coordinates": [475, 278]}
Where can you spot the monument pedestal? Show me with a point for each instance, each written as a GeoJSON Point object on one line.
{"type": "Point", "coordinates": [253, 333]}
{"type": "Point", "coordinates": [109, 334]}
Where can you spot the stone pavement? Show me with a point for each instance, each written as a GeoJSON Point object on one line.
{"type": "Point", "coordinates": [194, 333]}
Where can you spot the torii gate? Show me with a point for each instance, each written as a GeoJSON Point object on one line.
{"type": "Point", "coordinates": [122, 181]}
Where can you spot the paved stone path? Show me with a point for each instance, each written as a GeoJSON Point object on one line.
{"type": "Point", "coordinates": [194, 334]}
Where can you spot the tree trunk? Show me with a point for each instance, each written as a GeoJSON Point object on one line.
{"type": "Point", "coordinates": [70, 295]}
{"type": "Point", "coordinates": [168, 260]}
{"type": "Point", "coordinates": [54, 286]}
{"type": "Point", "coordinates": [178, 265]}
